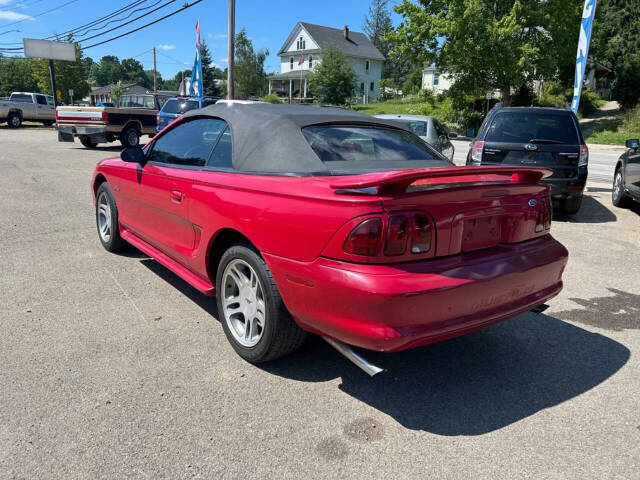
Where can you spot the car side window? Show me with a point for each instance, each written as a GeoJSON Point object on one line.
{"type": "Point", "coordinates": [222, 157]}
{"type": "Point", "coordinates": [41, 99]}
{"type": "Point", "coordinates": [189, 143]}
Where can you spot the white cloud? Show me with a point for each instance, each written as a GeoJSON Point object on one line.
{"type": "Point", "coordinates": [166, 47]}
{"type": "Point", "coordinates": [9, 15]}
{"type": "Point", "coordinates": [217, 36]}
{"type": "Point", "coordinates": [224, 60]}
{"type": "Point", "coordinates": [5, 2]}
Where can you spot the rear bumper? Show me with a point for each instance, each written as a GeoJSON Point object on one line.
{"type": "Point", "coordinates": [562, 188]}
{"type": "Point", "coordinates": [395, 307]}
{"type": "Point", "coordinates": [67, 132]}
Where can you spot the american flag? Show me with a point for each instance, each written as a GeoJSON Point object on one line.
{"type": "Point", "coordinates": [198, 33]}
{"type": "Point", "coordinates": [301, 60]}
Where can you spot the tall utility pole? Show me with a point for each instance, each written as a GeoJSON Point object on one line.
{"type": "Point", "coordinates": [155, 72]}
{"type": "Point", "coordinates": [231, 52]}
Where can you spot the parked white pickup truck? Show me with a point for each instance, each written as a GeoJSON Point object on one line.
{"type": "Point", "coordinates": [33, 107]}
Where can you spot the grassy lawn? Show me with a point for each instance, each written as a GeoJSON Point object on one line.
{"type": "Point", "coordinates": [614, 131]}
{"type": "Point", "coordinates": [387, 107]}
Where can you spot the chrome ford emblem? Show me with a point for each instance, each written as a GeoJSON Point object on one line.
{"type": "Point", "coordinates": [531, 147]}
{"type": "Point", "coordinates": [532, 203]}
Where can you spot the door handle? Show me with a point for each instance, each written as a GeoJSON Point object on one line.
{"type": "Point", "coordinates": [177, 196]}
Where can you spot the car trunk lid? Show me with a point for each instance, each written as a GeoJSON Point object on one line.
{"type": "Point", "coordinates": [472, 208]}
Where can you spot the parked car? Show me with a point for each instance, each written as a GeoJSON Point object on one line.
{"type": "Point", "coordinates": [134, 116]}
{"type": "Point", "coordinates": [430, 130]}
{"type": "Point", "coordinates": [306, 219]}
{"type": "Point", "coordinates": [626, 180]}
{"type": "Point", "coordinates": [176, 106]}
{"type": "Point", "coordinates": [21, 106]}
{"type": "Point", "coordinates": [542, 137]}
{"type": "Point", "coordinates": [105, 104]}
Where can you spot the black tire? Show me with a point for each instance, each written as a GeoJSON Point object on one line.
{"type": "Point", "coordinates": [14, 120]}
{"type": "Point", "coordinates": [571, 205]}
{"type": "Point", "coordinates": [114, 242]}
{"type": "Point", "coordinates": [48, 123]}
{"type": "Point", "coordinates": [86, 141]}
{"type": "Point", "coordinates": [130, 137]}
{"type": "Point", "coordinates": [618, 198]}
{"type": "Point", "coordinates": [280, 334]}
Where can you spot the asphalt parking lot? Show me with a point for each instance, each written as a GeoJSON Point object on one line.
{"type": "Point", "coordinates": [113, 367]}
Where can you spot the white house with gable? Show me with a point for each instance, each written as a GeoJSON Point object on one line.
{"type": "Point", "coordinates": [302, 53]}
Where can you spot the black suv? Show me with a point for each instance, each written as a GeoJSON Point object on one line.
{"type": "Point", "coordinates": [544, 137]}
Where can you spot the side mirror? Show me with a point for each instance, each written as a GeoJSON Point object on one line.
{"type": "Point", "coordinates": [632, 143]}
{"type": "Point", "coordinates": [453, 135]}
{"type": "Point", "coordinates": [133, 155]}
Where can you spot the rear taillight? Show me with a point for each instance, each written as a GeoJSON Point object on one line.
{"type": "Point", "coordinates": [365, 238]}
{"type": "Point", "coordinates": [544, 215]}
{"type": "Point", "coordinates": [584, 156]}
{"type": "Point", "coordinates": [476, 152]}
{"type": "Point", "coordinates": [399, 235]}
{"type": "Point", "coordinates": [57, 116]}
{"type": "Point", "coordinates": [104, 117]}
{"type": "Point", "coordinates": [158, 119]}
{"type": "Point", "coordinates": [421, 241]}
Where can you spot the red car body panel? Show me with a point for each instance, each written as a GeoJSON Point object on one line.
{"type": "Point", "coordinates": [490, 257]}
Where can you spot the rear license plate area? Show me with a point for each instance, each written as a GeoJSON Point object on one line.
{"type": "Point", "coordinates": [481, 232]}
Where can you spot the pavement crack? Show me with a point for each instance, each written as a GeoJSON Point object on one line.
{"type": "Point", "coordinates": [115, 280]}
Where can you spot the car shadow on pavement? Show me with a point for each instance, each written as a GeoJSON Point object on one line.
{"type": "Point", "coordinates": [475, 384]}
{"type": "Point", "coordinates": [591, 211]}
{"type": "Point", "coordinates": [470, 385]}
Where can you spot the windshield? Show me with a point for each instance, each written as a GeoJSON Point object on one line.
{"type": "Point", "coordinates": [180, 106]}
{"type": "Point", "coordinates": [357, 148]}
{"type": "Point", "coordinates": [419, 127]}
{"type": "Point", "coordinates": [528, 127]}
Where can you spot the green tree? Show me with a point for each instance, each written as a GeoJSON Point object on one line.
{"type": "Point", "coordinates": [616, 44]}
{"type": "Point", "coordinates": [209, 85]}
{"type": "Point", "coordinates": [378, 26]}
{"type": "Point", "coordinates": [334, 79]}
{"type": "Point", "coordinates": [16, 75]}
{"type": "Point", "coordinates": [108, 71]}
{"type": "Point", "coordinates": [133, 72]}
{"type": "Point", "coordinates": [116, 91]}
{"type": "Point", "coordinates": [69, 75]}
{"type": "Point", "coordinates": [484, 45]}
{"type": "Point", "coordinates": [250, 77]}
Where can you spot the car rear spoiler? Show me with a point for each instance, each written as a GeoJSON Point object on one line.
{"type": "Point", "coordinates": [397, 181]}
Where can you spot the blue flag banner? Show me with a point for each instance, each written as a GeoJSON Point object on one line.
{"type": "Point", "coordinates": [195, 89]}
{"type": "Point", "coordinates": [586, 24]}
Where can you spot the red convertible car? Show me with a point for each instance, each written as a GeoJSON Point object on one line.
{"type": "Point", "coordinates": [308, 219]}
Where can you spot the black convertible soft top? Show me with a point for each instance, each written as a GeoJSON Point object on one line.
{"type": "Point", "coordinates": [268, 137]}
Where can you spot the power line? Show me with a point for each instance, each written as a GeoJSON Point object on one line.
{"type": "Point", "coordinates": [186, 5]}
{"type": "Point", "coordinates": [127, 23]}
{"type": "Point", "coordinates": [41, 13]}
{"type": "Point", "coordinates": [109, 22]}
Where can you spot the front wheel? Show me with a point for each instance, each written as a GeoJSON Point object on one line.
{"type": "Point", "coordinates": [254, 317]}
{"type": "Point", "coordinates": [618, 198]}
{"type": "Point", "coordinates": [571, 205]}
{"type": "Point", "coordinates": [107, 219]}
{"type": "Point", "coordinates": [48, 123]}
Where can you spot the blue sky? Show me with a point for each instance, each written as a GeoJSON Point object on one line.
{"type": "Point", "coordinates": [268, 23]}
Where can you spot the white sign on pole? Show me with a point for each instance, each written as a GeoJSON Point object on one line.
{"type": "Point", "coordinates": [35, 48]}
{"type": "Point", "coordinates": [71, 92]}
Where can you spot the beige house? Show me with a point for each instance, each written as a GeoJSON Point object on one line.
{"type": "Point", "coordinates": [433, 79]}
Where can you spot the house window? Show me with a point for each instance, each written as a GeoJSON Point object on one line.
{"type": "Point", "coordinates": [366, 66]}
{"type": "Point", "coordinates": [362, 87]}
{"type": "Point", "coordinates": [302, 44]}
{"type": "Point", "coordinates": [371, 86]}
{"type": "Point", "coordinates": [310, 62]}
{"type": "Point", "coordinates": [436, 79]}
{"type": "Point", "coordinates": [291, 63]}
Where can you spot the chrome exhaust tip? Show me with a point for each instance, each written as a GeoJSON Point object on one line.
{"type": "Point", "coordinates": [357, 359]}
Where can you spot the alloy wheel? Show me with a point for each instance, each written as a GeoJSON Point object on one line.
{"type": "Point", "coordinates": [243, 303]}
{"type": "Point", "coordinates": [104, 217]}
{"type": "Point", "coordinates": [617, 185]}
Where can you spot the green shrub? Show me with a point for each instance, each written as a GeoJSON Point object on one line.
{"type": "Point", "coordinates": [590, 102]}
{"type": "Point", "coordinates": [271, 98]}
